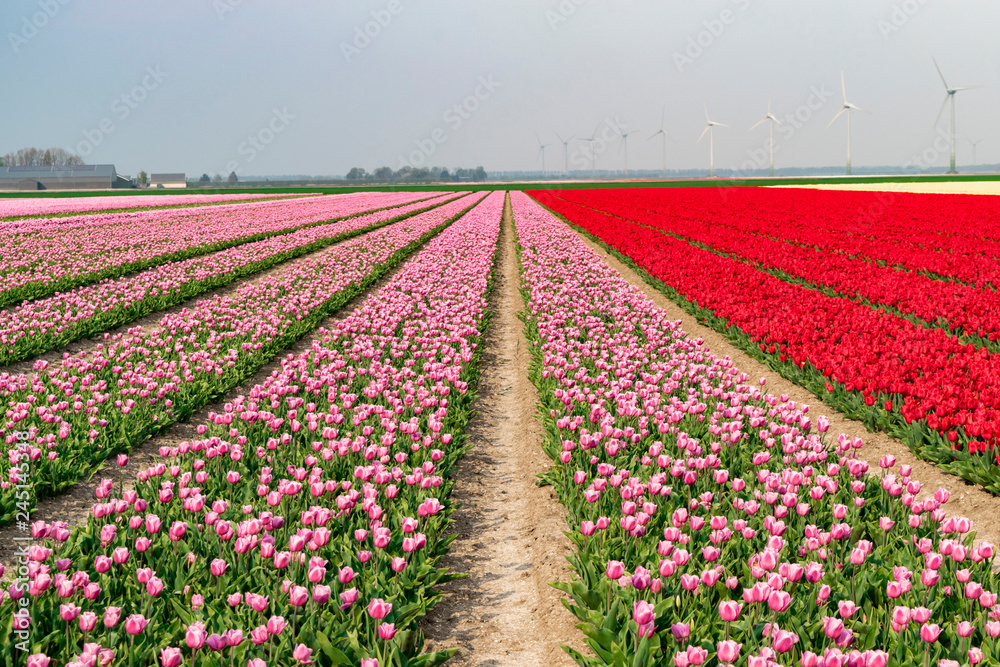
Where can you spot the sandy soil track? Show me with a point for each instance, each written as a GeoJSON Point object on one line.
{"type": "Point", "coordinates": [511, 541]}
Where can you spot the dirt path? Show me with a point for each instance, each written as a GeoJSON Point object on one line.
{"type": "Point", "coordinates": [511, 541]}
{"type": "Point", "coordinates": [966, 500]}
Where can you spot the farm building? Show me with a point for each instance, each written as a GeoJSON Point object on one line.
{"type": "Point", "coordinates": [62, 177]}
{"type": "Point", "coordinates": [168, 180]}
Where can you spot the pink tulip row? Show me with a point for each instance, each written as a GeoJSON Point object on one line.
{"type": "Point", "coordinates": [44, 324]}
{"type": "Point", "coordinates": [308, 518]}
{"type": "Point", "coordinates": [134, 384]}
{"type": "Point", "coordinates": [716, 522]}
{"type": "Point", "coordinates": [51, 206]}
{"type": "Point", "coordinates": [43, 256]}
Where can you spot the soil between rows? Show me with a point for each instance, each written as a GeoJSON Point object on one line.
{"type": "Point", "coordinates": [511, 541]}
{"type": "Point", "coordinates": [966, 500]}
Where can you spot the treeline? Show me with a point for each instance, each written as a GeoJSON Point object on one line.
{"type": "Point", "coordinates": [422, 174]}
{"type": "Point", "coordinates": [37, 157]}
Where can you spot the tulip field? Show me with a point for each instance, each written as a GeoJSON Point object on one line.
{"type": "Point", "coordinates": [893, 322]}
{"type": "Point", "coordinates": [715, 524]}
{"type": "Point", "coordinates": [30, 207]}
{"type": "Point", "coordinates": [326, 352]}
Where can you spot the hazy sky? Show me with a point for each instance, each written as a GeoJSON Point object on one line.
{"type": "Point", "coordinates": [183, 85]}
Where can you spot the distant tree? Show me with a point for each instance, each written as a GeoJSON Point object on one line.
{"type": "Point", "coordinates": [383, 174]}
{"type": "Point", "coordinates": [479, 174]}
{"type": "Point", "coordinates": [232, 177]}
{"type": "Point", "coordinates": [141, 179]}
{"type": "Point", "coordinates": [205, 179]}
{"type": "Point", "coordinates": [217, 178]}
{"type": "Point", "coordinates": [444, 175]}
{"type": "Point", "coordinates": [356, 174]}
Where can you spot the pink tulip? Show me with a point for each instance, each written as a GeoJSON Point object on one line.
{"type": "Point", "coordinates": [195, 636]}
{"type": "Point", "coordinates": [275, 625]}
{"type": "Point", "coordinates": [135, 624]}
{"type": "Point", "coordinates": [379, 608]}
{"type": "Point", "coordinates": [929, 632]}
{"type": "Point", "coordinates": [171, 657]}
{"type": "Point", "coordinates": [728, 651]}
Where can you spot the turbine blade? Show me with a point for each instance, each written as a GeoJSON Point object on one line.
{"type": "Point", "coordinates": [760, 121]}
{"type": "Point", "coordinates": [707, 128]}
{"type": "Point", "coordinates": [940, 74]}
{"type": "Point", "coordinates": [720, 124]}
{"type": "Point", "coordinates": [663, 116]}
{"type": "Point", "coordinates": [774, 118]}
{"type": "Point", "coordinates": [842, 110]}
{"type": "Point", "coordinates": [843, 86]}
{"type": "Point", "coordinates": [706, 113]}
{"type": "Point", "coordinates": [966, 88]}
{"type": "Point", "coordinates": [854, 106]}
{"type": "Point", "coordinates": [941, 111]}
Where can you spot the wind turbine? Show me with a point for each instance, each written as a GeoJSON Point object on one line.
{"type": "Point", "coordinates": [565, 143]}
{"type": "Point", "coordinates": [773, 119]}
{"type": "Point", "coordinates": [593, 153]}
{"type": "Point", "coordinates": [846, 108]}
{"type": "Point", "coordinates": [950, 94]}
{"type": "Point", "coordinates": [665, 134]}
{"type": "Point", "coordinates": [541, 151]}
{"type": "Point", "coordinates": [709, 127]}
{"type": "Point", "coordinates": [974, 143]}
{"type": "Point", "coordinates": [624, 144]}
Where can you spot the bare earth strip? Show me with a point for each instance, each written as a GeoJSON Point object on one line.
{"type": "Point", "coordinates": [510, 531]}
{"type": "Point", "coordinates": [966, 499]}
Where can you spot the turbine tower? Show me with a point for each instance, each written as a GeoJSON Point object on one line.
{"type": "Point", "coordinates": [949, 94]}
{"type": "Point", "coordinates": [773, 119]}
{"type": "Point", "coordinates": [541, 151]}
{"type": "Point", "coordinates": [565, 143]}
{"type": "Point", "coordinates": [846, 108]}
{"type": "Point", "coordinates": [624, 144]}
{"type": "Point", "coordinates": [974, 144]}
{"type": "Point", "coordinates": [665, 134]}
{"type": "Point", "coordinates": [710, 128]}
{"type": "Point", "coordinates": [593, 153]}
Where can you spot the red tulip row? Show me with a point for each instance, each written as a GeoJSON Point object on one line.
{"type": "Point", "coordinates": [957, 307]}
{"type": "Point", "coordinates": [715, 524]}
{"type": "Point", "coordinates": [306, 523]}
{"type": "Point", "coordinates": [940, 395]}
{"type": "Point", "coordinates": [946, 236]}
